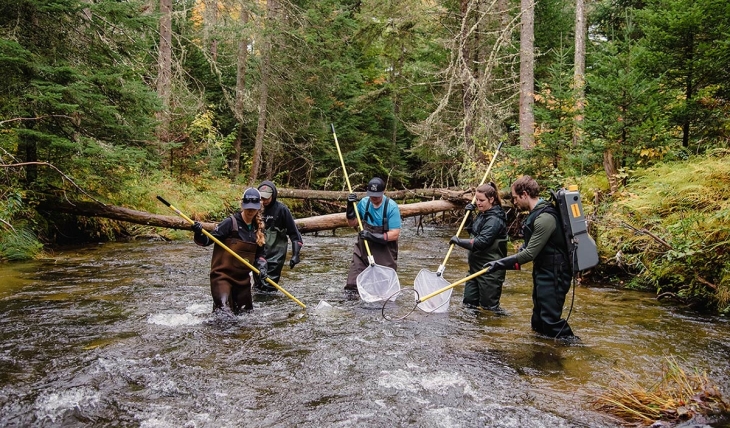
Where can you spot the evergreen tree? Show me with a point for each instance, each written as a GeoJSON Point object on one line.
{"type": "Point", "coordinates": [626, 119]}
{"type": "Point", "coordinates": [71, 87]}
{"type": "Point", "coordinates": [686, 45]}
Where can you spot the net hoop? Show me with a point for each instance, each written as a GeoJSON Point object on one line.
{"type": "Point", "coordinates": [398, 306]}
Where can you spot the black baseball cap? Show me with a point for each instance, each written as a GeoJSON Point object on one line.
{"type": "Point", "coordinates": [376, 187]}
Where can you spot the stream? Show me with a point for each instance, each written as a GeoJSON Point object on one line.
{"type": "Point", "coordinates": [121, 334]}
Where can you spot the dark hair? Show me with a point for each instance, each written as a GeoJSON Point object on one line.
{"type": "Point", "coordinates": [526, 184]}
{"type": "Point", "coordinates": [490, 191]}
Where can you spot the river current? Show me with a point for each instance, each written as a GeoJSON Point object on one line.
{"type": "Point", "coordinates": [121, 334]}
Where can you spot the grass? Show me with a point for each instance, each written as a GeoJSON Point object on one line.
{"type": "Point", "coordinates": [668, 228]}
{"type": "Point", "coordinates": [677, 396]}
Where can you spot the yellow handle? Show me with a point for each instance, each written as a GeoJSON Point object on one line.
{"type": "Point", "coordinates": [347, 180]}
{"type": "Point", "coordinates": [241, 259]}
{"type": "Point", "coordinates": [452, 285]}
{"type": "Point", "coordinates": [473, 199]}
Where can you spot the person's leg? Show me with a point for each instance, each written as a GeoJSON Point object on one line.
{"type": "Point", "coordinates": [220, 290]}
{"type": "Point", "coordinates": [471, 293]}
{"type": "Point", "coordinates": [242, 298]}
{"type": "Point", "coordinates": [550, 295]}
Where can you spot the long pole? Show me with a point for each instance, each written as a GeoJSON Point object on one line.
{"type": "Point", "coordinates": [371, 259]}
{"type": "Point", "coordinates": [441, 268]}
{"type": "Point", "coordinates": [241, 259]}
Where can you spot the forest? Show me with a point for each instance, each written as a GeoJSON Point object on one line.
{"type": "Point", "coordinates": [117, 101]}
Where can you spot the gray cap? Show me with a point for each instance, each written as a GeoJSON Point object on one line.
{"type": "Point", "coordinates": [266, 191]}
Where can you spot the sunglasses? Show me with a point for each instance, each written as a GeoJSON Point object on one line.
{"type": "Point", "coordinates": [251, 200]}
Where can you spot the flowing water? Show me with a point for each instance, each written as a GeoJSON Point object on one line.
{"type": "Point", "coordinates": [121, 334]}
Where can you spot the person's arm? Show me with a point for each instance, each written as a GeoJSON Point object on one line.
{"type": "Point", "coordinates": [221, 230]}
{"type": "Point", "coordinates": [350, 214]}
{"type": "Point", "coordinates": [487, 235]}
{"type": "Point", "coordinates": [544, 227]}
{"type": "Point", "coordinates": [291, 226]}
{"type": "Point", "coordinates": [294, 236]}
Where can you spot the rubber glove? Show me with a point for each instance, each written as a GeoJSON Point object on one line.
{"type": "Point", "coordinates": [263, 267]}
{"type": "Point", "coordinates": [463, 243]}
{"type": "Point", "coordinates": [374, 237]}
{"type": "Point", "coordinates": [296, 247]}
{"type": "Point", "coordinates": [507, 263]}
{"type": "Point", "coordinates": [351, 201]}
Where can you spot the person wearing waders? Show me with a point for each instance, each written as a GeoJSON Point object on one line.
{"type": "Point", "coordinates": [487, 242]}
{"type": "Point", "coordinates": [545, 246]}
{"type": "Point", "coordinates": [280, 228]}
{"type": "Point", "coordinates": [381, 224]}
{"type": "Point", "coordinates": [242, 232]}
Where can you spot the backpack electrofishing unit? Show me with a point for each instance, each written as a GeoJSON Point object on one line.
{"type": "Point", "coordinates": [582, 248]}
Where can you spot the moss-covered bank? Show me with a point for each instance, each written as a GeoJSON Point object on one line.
{"type": "Point", "coordinates": [668, 230]}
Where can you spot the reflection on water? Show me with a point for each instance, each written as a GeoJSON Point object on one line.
{"type": "Point", "coordinates": [121, 334]}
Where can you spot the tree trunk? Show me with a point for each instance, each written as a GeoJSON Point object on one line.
{"type": "Point", "coordinates": [164, 68]}
{"type": "Point", "coordinates": [527, 74]}
{"type": "Point", "coordinates": [609, 166]}
{"type": "Point", "coordinates": [210, 22]}
{"type": "Point", "coordinates": [54, 205]}
{"type": "Point", "coordinates": [242, 58]}
{"type": "Point", "coordinates": [579, 61]}
{"type": "Point", "coordinates": [264, 93]}
{"type": "Point", "coordinates": [688, 94]}
{"type": "Point", "coordinates": [468, 83]}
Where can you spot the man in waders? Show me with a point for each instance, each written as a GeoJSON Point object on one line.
{"type": "Point", "coordinates": [242, 232]}
{"type": "Point", "coordinates": [545, 246]}
{"type": "Point", "coordinates": [280, 228]}
{"type": "Point", "coordinates": [381, 224]}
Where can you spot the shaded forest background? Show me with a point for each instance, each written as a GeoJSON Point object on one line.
{"type": "Point", "coordinates": [116, 100]}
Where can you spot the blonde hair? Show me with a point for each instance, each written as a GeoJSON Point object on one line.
{"type": "Point", "coordinates": [260, 227]}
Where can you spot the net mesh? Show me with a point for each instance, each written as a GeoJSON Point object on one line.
{"type": "Point", "coordinates": [426, 283]}
{"type": "Point", "coordinates": [377, 283]}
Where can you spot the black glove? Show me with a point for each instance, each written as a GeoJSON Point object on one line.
{"type": "Point", "coordinates": [507, 263]}
{"type": "Point", "coordinates": [351, 201]}
{"type": "Point", "coordinates": [296, 246]}
{"type": "Point", "coordinates": [463, 243]}
{"type": "Point", "coordinates": [197, 227]}
{"type": "Point", "coordinates": [469, 207]}
{"type": "Point", "coordinates": [263, 267]}
{"type": "Point", "coordinates": [374, 237]}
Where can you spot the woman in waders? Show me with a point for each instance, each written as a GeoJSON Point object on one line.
{"type": "Point", "coordinates": [487, 242]}
{"type": "Point", "coordinates": [381, 228]}
{"type": "Point", "coordinates": [242, 232]}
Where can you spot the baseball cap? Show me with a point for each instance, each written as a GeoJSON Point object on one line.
{"type": "Point", "coordinates": [251, 199]}
{"type": "Point", "coordinates": [266, 191]}
{"type": "Point", "coordinates": [376, 187]}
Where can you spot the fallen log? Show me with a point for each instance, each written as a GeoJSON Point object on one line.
{"type": "Point", "coordinates": [54, 204]}
{"type": "Point", "coordinates": [397, 195]}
